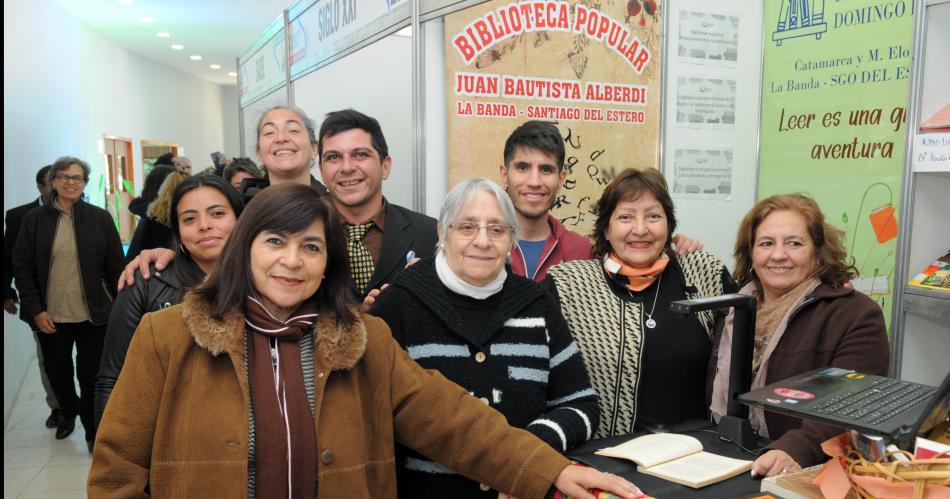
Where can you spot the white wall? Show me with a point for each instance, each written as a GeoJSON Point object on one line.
{"type": "Point", "coordinates": [64, 86]}
{"type": "Point", "coordinates": [377, 81]}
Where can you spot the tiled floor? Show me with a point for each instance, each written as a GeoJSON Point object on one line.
{"type": "Point", "coordinates": [35, 464]}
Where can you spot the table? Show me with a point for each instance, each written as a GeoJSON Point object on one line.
{"type": "Point", "coordinates": [740, 485]}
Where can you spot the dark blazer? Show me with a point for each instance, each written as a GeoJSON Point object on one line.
{"type": "Point", "coordinates": [12, 219]}
{"type": "Point", "coordinates": [405, 230]}
{"type": "Point", "coordinates": [100, 259]}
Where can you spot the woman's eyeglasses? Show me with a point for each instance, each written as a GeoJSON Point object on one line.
{"type": "Point", "coordinates": [74, 179]}
{"type": "Point", "coordinates": [470, 229]}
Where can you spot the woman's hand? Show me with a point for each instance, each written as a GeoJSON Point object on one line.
{"type": "Point", "coordinates": [774, 462]}
{"type": "Point", "coordinates": [44, 321]}
{"type": "Point", "coordinates": [576, 480]}
{"type": "Point", "coordinates": [161, 256]}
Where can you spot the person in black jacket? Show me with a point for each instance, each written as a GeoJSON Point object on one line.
{"type": "Point", "coordinates": [381, 237]}
{"type": "Point", "coordinates": [13, 219]}
{"type": "Point", "coordinates": [67, 262]}
{"type": "Point", "coordinates": [153, 182]}
{"type": "Point", "coordinates": [203, 210]}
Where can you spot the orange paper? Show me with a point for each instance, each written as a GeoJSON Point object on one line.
{"type": "Point", "coordinates": [884, 223]}
{"type": "Point", "coordinates": [881, 488]}
{"type": "Point", "coordinates": [833, 481]}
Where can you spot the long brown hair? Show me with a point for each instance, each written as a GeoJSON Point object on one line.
{"type": "Point", "coordinates": [283, 209]}
{"type": "Point", "coordinates": [831, 266]}
{"type": "Point", "coordinates": [630, 185]}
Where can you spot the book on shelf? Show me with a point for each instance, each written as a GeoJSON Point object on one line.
{"type": "Point", "coordinates": [677, 458]}
{"type": "Point", "coordinates": [935, 276]}
{"type": "Point", "coordinates": [939, 122]}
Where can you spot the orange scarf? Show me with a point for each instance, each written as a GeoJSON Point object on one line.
{"type": "Point", "coordinates": [634, 279]}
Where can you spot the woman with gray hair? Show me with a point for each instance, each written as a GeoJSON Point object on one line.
{"type": "Point", "coordinates": [498, 335]}
{"type": "Point", "coordinates": [67, 261]}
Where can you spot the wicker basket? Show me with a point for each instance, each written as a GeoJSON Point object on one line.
{"type": "Point", "coordinates": [919, 473]}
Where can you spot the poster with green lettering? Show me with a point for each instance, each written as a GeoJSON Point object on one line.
{"type": "Point", "coordinates": [835, 86]}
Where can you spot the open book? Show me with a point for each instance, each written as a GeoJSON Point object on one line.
{"type": "Point", "coordinates": [677, 458]}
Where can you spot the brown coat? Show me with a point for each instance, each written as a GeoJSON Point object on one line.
{"type": "Point", "coordinates": [831, 328]}
{"type": "Point", "coordinates": [177, 422]}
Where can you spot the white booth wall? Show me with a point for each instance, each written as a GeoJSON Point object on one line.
{"type": "Point", "coordinates": [716, 221]}
{"type": "Point", "coordinates": [377, 81]}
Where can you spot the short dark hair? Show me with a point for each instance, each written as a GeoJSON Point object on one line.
{"type": "Point", "coordinates": [154, 181]}
{"type": "Point", "coordinates": [283, 209]}
{"type": "Point", "coordinates": [165, 159]}
{"type": "Point", "coordinates": [539, 135]}
{"type": "Point", "coordinates": [42, 176]}
{"type": "Point", "coordinates": [188, 271]}
{"type": "Point", "coordinates": [348, 119]}
{"type": "Point", "coordinates": [630, 184]}
{"type": "Point", "coordinates": [241, 165]}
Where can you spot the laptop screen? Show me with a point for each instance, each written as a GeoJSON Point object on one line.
{"type": "Point", "coordinates": [939, 409]}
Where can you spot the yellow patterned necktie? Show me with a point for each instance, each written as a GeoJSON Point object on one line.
{"type": "Point", "coordinates": [361, 261]}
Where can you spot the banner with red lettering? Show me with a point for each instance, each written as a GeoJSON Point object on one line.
{"type": "Point", "coordinates": [590, 66]}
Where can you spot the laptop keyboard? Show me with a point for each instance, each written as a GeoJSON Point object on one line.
{"type": "Point", "coordinates": [882, 400]}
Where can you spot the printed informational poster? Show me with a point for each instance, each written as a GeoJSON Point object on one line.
{"type": "Point", "coordinates": [706, 38]}
{"type": "Point", "coordinates": [705, 103]}
{"type": "Point", "coordinates": [591, 67]}
{"type": "Point", "coordinates": [835, 86]}
{"type": "Point", "coordinates": [702, 174]}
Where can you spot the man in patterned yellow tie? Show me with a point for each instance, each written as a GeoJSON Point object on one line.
{"type": "Point", "coordinates": [354, 161]}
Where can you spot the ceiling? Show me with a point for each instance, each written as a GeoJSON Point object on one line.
{"type": "Point", "coordinates": [219, 31]}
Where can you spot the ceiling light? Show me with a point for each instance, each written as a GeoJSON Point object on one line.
{"type": "Point", "coordinates": [196, 57]}
{"type": "Point", "coordinates": [163, 34]}
{"type": "Point", "coordinates": [232, 73]}
{"type": "Point", "coordinates": [215, 66]}
{"type": "Point", "coordinates": [177, 46]}
{"type": "Point", "coordinates": [147, 19]}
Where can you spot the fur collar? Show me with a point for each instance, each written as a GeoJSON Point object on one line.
{"type": "Point", "coordinates": [340, 347]}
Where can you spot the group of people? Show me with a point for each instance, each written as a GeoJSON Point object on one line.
{"type": "Point", "coordinates": [328, 342]}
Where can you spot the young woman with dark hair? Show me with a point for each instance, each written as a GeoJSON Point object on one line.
{"type": "Point", "coordinates": [203, 211]}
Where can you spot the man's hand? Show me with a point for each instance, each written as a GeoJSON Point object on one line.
{"type": "Point", "coordinates": [371, 298]}
{"type": "Point", "coordinates": [10, 305]}
{"type": "Point", "coordinates": [684, 244]}
{"type": "Point", "coordinates": [774, 462]}
{"type": "Point", "coordinates": [160, 256]}
{"type": "Point", "coordinates": [44, 321]}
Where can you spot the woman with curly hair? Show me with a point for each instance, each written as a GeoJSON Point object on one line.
{"type": "Point", "coordinates": [793, 261]}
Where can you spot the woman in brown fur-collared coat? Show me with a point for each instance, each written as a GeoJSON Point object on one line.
{"type": "Point", "coordinates": [265, 382]}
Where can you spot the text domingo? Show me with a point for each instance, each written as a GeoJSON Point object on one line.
{"type": "Point", "coordinates": [536, 15]}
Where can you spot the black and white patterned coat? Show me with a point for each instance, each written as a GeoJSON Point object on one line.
{"type": "Point", "coordinates": [522, 362]}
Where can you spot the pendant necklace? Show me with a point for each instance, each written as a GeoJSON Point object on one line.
{"type": "Point", "coordinates": [650, 323]}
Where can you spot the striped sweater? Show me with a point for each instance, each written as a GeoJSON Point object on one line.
{"type": "Point", "coordinates": [522, 361]}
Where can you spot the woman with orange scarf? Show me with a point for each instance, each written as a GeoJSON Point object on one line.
{"type": "Point", "coordinates": [647, 365]}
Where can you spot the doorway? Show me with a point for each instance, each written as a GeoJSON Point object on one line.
{"type": "Point", "coordinates": [119, 184]}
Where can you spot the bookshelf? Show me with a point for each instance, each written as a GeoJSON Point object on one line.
{"type": "Point", "coordinates": [920, 336]}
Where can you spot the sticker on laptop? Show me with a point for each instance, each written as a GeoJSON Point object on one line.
{"type": "Point", "coordinates": [794, 394]}
{"type": "Point", "coordinates": [773, 401]}
{"type": "Point", "coordinates": [791, 401]}
{"type": "Point", "coordinates": [855, 375]}
{"type": "Point", "coordinates": [835, 371]}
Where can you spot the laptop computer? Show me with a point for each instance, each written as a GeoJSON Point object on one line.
{"type": "Point", "coordinates": [867, 403]}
